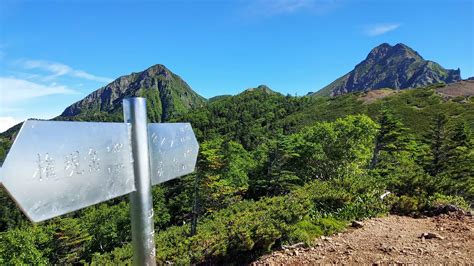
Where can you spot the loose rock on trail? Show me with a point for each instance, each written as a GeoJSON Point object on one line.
{"type": "Point", "coordinates": [391, 239]}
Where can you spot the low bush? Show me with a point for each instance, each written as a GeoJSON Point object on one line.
{"type": "Point", "coordinates": [408, 205]}
{"type": "Point", "coordinates": [250, 228]}
{"type": "Point", "coordinates": [439, 200]}
{"type": "Point", "coordinates": [416, 205]}
{"type": "Point", "coordinates": [304, 231]}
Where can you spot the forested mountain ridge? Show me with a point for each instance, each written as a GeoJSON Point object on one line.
{"type": "Point", "coordinates": [166, 92]}
{"type": "Point", "coordinates": [256, 110]}
{"type": "Point", "coordinates": [415, 107]}
{"type": "Point", "coordinates": [395, 67]}
{"type": "Point", "coordinates": [275, 170]}
{"type": "Point", "coordinates": [167, 95]}
{"type": "Point", "coordinates": [272, 170]}
{"type": "Point", "coordinates": [263, 110]}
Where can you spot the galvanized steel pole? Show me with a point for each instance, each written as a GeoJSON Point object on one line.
{"type": "Point", "coordinates": [141, 203]}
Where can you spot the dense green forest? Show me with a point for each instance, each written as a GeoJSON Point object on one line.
{"type": "Point", "coordinates": [273, 170]}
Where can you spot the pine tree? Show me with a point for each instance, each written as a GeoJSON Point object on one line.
{"type": "Point", "coordinates": [223, 174]}
{"type": "Point", "coordinates": [459, 163]}
{"type": "Point", "coordinates": [270, 177]}
{"type": "Point", "coordinates": [436, 139]}
{"type": "Point", "coordinates": [69, 241]}
{"type": "Point", "coordinates": [392, 137]}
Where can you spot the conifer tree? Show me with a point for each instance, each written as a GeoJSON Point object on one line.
{"type": "Point", "coordinates": [436, 138]}
{"type": "Point", "coordinates": [392, 137]}
{"type": "Point", "coordinates": [459, 163]}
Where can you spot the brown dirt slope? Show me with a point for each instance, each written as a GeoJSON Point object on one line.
{"type": "Point", "coordinates": [462, 88]}
{"type": "Point", "coordinates": [391, 239]}
{"type": "Point", "coordinates": [373, 95]}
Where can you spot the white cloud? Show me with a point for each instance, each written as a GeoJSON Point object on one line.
{"type": "Point", "coordinates": [13, 90]}
{"type": "Point", "coordinates": [5, 109]}
{"type": "Point", "coordinates": [285, 6]}
{"type": "Point", "coordinates": [59, 69]}
{"type": "Point", "coordinates": [7, 122]}
{"type": "Point", "coordinates": [282, 7]}
{"type": "Point", "coordinates": [379, 29]}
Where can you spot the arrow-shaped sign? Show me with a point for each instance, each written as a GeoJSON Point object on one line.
{"type": "Point", "coordinates": [56, 167]}
{"type": "Point", "coordinates": [173, 151]}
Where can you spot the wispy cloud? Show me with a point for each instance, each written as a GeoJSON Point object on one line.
{"type": "Point", "coordinates": [13, 90]}
{"type": "Point", "coordinates": [58, 69]}
{"type": "Point", "coordinates": [25, 85]}
{"type": "Point", "coordinates": [5, 109]}
{"type": "Point", "coordinates": [379, 29]}
{"type": "Point", "coordinates": [284, 7]}
{"type": "Point", "coordinates": [7, 122]}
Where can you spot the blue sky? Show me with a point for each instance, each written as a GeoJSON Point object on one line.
{"type": "Point", "coordinates": [53, 53]}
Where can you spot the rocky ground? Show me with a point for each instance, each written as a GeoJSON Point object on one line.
{"type": "Point", "coordinates": [391, 239]}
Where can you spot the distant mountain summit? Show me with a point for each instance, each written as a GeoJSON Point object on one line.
{"type": "Point", "coordinates": [165, 91]}
{"type": "Point", "coordinates": [396, 67]}
{"type": "Point", "coordinates": [261, 88]}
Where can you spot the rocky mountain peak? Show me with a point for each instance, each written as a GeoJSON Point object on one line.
{"type": "Point", "coordinates": [401, 49]}
{"type": "Point", "coordinates": [386, 50]}
{"type": "Point", "coordinates": [387, 66]}
{"type": "Point", "coordinates": [166, 92]}
{"type": "Point", "coordinates": [158, 70]}
{"type": "Point", "coordinates": [380, 51]}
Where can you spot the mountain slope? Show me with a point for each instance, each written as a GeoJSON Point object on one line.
{"type": "Point", "coordinates": [167, 95]}
{"type": "Point", "coordinates": [254, 116]}
{"type": "Point", "coordinates": [165, 91]}
{"type": "Point", "coordinates": [248, 117]}
{"type": "Point", "coordinates": [416, 107]}
{"type": "Point", "coordinates": [395, 67]}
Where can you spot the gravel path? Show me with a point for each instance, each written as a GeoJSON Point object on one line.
{"type": "Point", "coordinates": [391, 239]}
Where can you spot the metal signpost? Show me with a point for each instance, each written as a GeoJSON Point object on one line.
{"type": "Point", "coordinates": [55, 167]}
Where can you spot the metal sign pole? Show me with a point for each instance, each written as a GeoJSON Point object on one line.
{"type": "Point", "coordinates": [141, 203]}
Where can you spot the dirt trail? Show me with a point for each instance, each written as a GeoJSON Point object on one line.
{"type": "Point", "coordinates": [391, 239]}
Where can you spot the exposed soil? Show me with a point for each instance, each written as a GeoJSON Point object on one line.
{"type": "Point", "coordinates": [462, 88]}
{"type": "Point", "coordinates": [373, 95]}
{"type": "Point", "coordinates": [391, 239]}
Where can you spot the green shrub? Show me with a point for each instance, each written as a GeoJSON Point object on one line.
{"type": "Point", "coordinates": [173, 244]}
{"type": "Point", "coordinates": [308, 230]}
{"type": "Point", "coordinates": [23, 246]}
{"type": "Point", "coordinates": [330, 225]}
{"type": "Point", "coordinates": [438, 200]}
{"type": "Point", "coordinates": [458, 99]}
{"type": "Point", "coordinates": [119, 256]}
{"type": "Point", "coordinates": [304, 231]}
{"type": "Point", "coordinates": [364, 206]}
{"type": "Point", "coordinates": [250, 228]}
{"type": "Point", "coordinates": [413, 205]}
{"type": "Point", "coordinates": [408, 205]}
